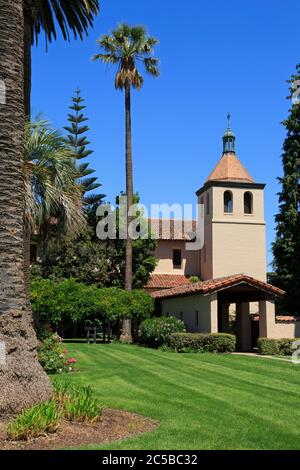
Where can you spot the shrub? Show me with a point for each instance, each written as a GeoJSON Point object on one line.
{"type": "Point", "coordinates": [53, 357]}
{"type": "Point", "coordinates": [273, 347]}
{"type": "Point", "coordinates": [70, 304]}
{"type": "Point", "coordinates": [199, 342]}
{"type": "Point", "coordinates": [77, 404]}
{"type": "Point", "coordinates": [34, 422]}
{"type": "Point", "coordinates": [156, 331]}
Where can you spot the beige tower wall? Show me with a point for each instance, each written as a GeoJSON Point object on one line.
{"type": "Point", "coordinates": [235, 243]}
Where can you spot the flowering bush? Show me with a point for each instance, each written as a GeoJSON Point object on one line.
{"type": "Point", "coordinates": [156, 331]}
{"type": "Point", "coordinates": [53, 357]}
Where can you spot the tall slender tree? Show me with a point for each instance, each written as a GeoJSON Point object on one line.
{"type": "Point", "coordinates": [50, 15]}
{"type": "Point", "coordinates": [22, 380]}
{"type": "Point", "coordinates": [78, 142]}
{"type": "Point", "coordinates": [125, 48]}
{"type": "Point", "coordinates": [286, 248]}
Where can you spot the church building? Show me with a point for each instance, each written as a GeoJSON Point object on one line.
{"type": "Point", "coordinates": [231, 265]}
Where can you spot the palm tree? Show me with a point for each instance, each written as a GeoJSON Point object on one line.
{"type": "Point", "coordinates": [126, 47]}
{"type": "Point", "coordinates": [50, 15]}
{"type": "Point", "coordinates": [53, 199]}
{"type": "Point", "coordinates": [22, 380]}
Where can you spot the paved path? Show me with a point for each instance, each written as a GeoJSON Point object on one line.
{"type": "Point", "coordinates": [252, 354]}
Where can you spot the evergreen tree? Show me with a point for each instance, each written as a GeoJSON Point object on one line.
{"type": "Point", "coordinates": [78, 141]}
{"type": "Point", "coordinates": [286, 248]}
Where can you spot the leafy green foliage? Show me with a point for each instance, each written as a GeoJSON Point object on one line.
{"type": "Point", "coordinates": [53, 356]}
{"type": "Point", "coordinates": [125, 47]}
{"type": "Point", "coordinates": [68, 303]}
{"type": "Point", "coordinates": [77, 404]}
{"type": "Point", "coordinates": [157, 331]}
{"type": "Point", "coordinates": [99, 262]}
{"type": "Point", "coordinates": [275, 347]}
{"type": "Point", "coordinates": [78, 143]}
{"type": "Point", "coordinates": [49, 15]}
{"type": "Point", "coordinates": [286, 248]}
{"type": "Point", "coordinates": [199, 342]}
{"type": "Point", "coordinates": [34, 422]}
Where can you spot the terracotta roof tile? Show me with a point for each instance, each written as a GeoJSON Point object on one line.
{"type": "Point", "coordinates": [165, 281]}
{"type": "Point", "coordinates": [229, 168]}
{"type": "Point", "coordinates": [172, 229]}
{"type": "Point", "coordinates": [214, 285]}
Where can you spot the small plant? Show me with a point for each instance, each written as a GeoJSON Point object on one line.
{"type": "Point", "coordinates": [77, 404]}
{"type": "Point", "coordinates": [156, 331]}
{"type": "Point", "coordinates": [194, 279]}
{"type": "Point", "coordinates": [34, 422]}
{"type": "Point", "coordinates": [53, 357]}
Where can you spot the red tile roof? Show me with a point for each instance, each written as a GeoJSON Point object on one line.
{"type": "Point", "coordinates": [281, 318]}
{"type": "Point", "coordinates": [214, 285]}
{"type": "Point", "coordinates": [165, 281]}
{"type": "Point", "coordinates": [229, 168]}
{"type": "Point", "coordinates": [172, 229]}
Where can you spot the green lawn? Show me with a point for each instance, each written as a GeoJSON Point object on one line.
{"type": "Point", "coordinates": [202, 401]}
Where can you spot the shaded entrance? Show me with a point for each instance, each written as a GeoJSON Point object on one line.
{"type": "Point", "coordinates": [242, 295]}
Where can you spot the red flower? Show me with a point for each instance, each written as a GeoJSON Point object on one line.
{"type": "Point", "coordinates": [72, 360]}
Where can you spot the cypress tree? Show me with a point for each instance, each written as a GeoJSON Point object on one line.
{"type": "Point", "coordinates": [77, 139]}
{"type": "Point", "coordinates": [286, 248]}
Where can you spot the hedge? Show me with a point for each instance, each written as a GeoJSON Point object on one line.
{"type": "Point", "coordinates": [156, 331]}
{"type": "Point", "coordinates": [276, 347]}
{"type": "Point", "coordinates": [200, 342]}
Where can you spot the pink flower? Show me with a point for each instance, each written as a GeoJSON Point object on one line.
{"type": "Point", "coordinates": [72, 360]}
{"type": "Point", "coordinates": [65, 351]}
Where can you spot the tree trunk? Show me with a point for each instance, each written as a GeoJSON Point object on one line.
{"type": "Point", "coordinates": [27, 57]}
{"type": "Point", "coordinates": [126, 335]}
{"type": "Point", "coordinates": [27, 105]}
{"type": "Point", "coordinates": [22, 380]}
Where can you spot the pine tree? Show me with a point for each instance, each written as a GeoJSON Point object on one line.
{"type": "Point", "coordinates": [286, 248]}
{"type": "Point", "coordinates": [78, 141]}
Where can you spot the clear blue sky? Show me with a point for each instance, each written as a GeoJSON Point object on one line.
{"type": "Point", "coordinates": [215, 57]}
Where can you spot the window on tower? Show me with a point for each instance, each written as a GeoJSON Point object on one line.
{"type": "Point", "coordinates": [228, 202]}
{"type": "Point", "coordinates": [248, 203]}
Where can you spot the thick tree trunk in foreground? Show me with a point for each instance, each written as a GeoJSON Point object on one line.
{"type": "Point", "coordinates": [22, 380]}
{"type": "Point", "coordinates": [27, 106]}
{"type": "Point", "coordinates": [126, 335]}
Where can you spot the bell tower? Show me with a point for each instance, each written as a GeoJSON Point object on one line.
{"type": "Point", "coordinates": [234, 225]}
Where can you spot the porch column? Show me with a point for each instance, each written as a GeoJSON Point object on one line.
{"type": "Point", "coordinates": [214, 313]}
{"type": "Point", "coordinates": [244, 336]}
{"type": "Point", "coordinates": [266, 318]}
{"type": "Point", "coordinates": [225, 317]}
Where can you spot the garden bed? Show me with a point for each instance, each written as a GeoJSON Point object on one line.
{"type": "Point", "coordinates": [115, 425]}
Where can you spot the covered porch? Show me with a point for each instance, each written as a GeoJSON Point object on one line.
{"type": "Point", "coordinates": [205, 307]}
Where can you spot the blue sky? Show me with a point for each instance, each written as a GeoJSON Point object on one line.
{"type": "Point", "coordinates": [215, 57]}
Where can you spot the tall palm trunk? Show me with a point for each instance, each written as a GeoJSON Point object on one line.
{"type": "Point", "coordinates": [22, 380]}
{"type": "Point", "coordinates": [27, 57]}
{"type": "Point", "coordinates": [27, 105]}
{"type": "Point", "coordinates": [126, 329]}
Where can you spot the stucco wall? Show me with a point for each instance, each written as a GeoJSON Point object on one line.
{"type": "Point", "coordinates": [164, 255]}
{"type": "Point", "coordinates": [234, 243]}
{"type": "Point", "coordinates": [189, 305]}
{"type": "Point", "coordinates": [286, 330]}
{"type": "Point", "coordinates": [239, 249]}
